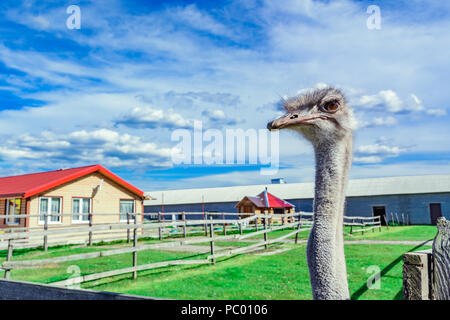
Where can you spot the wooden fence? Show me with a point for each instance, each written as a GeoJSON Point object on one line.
{"type": "Point", "coordinates": [212, 226]}
{"type": "Point", "coordinates": [241, 224]}
{"type": "Point", "coordinates": [426, 274]}
{"type": "Point", "coordinates": [364, 223]}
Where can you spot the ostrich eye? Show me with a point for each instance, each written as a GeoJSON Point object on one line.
{"type": "Point", "coordinates": [331, 106]}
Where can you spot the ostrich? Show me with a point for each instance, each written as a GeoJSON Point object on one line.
{"type": "Point", "coordinates": [323, 118]}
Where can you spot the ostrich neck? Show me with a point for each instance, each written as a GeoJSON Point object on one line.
{"type": "Point", "coordinates": [326, 258]}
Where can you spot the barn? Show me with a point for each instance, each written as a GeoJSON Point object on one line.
{"type": "Point", "coordinates": [422, 198]}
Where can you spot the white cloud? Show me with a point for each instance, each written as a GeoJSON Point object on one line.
{"type": "Point", "coordinates": [387, 98]}
{"type": "Point", "coordinates": [288, 45]}
{"type": "Point", "coordinates": [436, 112]}
{"type": "Point", "coordinates": [369, 159]}
{"type": "Point", "coordinates": [148, 117]}
{"type": "Point", "coordinates": [86, 147]}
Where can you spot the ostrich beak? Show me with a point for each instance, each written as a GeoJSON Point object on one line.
{"type": "Point", "coordinates": [290, 119]}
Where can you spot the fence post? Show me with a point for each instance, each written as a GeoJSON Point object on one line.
{"type": "Point", "coordinates": [441, 258]}
{"type": "Point", "coordinates": [224, 225]}
{"type": "Point", "coordinates": [240, 226]}
{"type": "Point", "coordinates": [392, 219]}
{"type": "Point", "coordinates": [417, 268]}
{"type": "Point", "coordinates": [9, 257]}
{"type": "Point", "coordinates": [135, 239]}
{"type": "Point", "coordinates": [211, 231]}
{"type": "Point", "coordinates": [45, 231]}
{"type": "Point", "coordinates": [184, 226]}
{"type": "Point", "coordinates": [387, 222]}
{"type": "Point", "coordinates": [90, 229]}
{"type": "Point", "coordinates": [256, 222]}
{"type": "Point", "coordinates": [298, 228]}
{"type": "Point", "coordinates": [159, 228]}
{"type": "Point", "coordinates": [398, 221]}
{"type": "Point", "coordinates": [362, 222]}
{"type": "Point", "coordinates": [128, 229]}
{"type": "Point", "coordinates": [266, 246]}
{"type": "Point", "coordinates": [205, 218]}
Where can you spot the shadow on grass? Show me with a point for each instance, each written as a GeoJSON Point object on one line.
{"type": "Point", "coordinates": [358, 293]}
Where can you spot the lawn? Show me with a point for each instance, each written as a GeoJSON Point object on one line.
{"type": "Point", "coordinates": [280, 276]}
{"type": "Point", "coordinates": [398, 233]}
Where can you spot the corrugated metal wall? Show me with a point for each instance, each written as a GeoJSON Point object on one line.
{"type": "Point", "coordinates": [417, 206]}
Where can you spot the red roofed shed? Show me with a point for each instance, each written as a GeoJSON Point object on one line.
{"type": "Point", "coordinates": [265, 202]}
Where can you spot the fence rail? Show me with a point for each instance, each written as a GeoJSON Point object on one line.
{"type": "Point", "coordinates": [215, 253]}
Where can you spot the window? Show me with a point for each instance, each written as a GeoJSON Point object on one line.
{"type": "Point", "coordinates": [13, 208]}
{"type": "Point", "coordinates": [81, 208]}
{"type": "Point", "coordinates": [126, 206]}
{"type": "Point", "coordinates": [52, 207]}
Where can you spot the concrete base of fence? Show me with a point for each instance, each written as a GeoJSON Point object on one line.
{"type": "Point", "coordinates": [21, 290]}
{"type": "Point", "coordinates": [417, 270]}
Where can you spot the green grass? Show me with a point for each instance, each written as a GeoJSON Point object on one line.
{"type": "Point", "coordinates": [398, 233]}
{"type": "Point", "coordinates": [280, 276]}
{"type": "Point", "coordinates": [418, 233]}
{"type": "Point", "coordinates": [57, 272]}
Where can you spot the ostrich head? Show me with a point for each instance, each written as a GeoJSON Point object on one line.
{"type": "Point", "coordinates": [321, 116]}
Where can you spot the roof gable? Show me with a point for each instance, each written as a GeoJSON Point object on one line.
{"type": "Point", "coordinates": [28, 185]}
{"type": "Point", "coordinates": [267, 200]}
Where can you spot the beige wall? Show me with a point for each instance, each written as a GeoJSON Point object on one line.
{"type": "Point", "coordinates": [106, 200]}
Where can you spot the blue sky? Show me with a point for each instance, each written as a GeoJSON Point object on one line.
{"type": "Point", "coordinates": [113, 91]}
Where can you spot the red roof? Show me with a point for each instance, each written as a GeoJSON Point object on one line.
{"type": "Point", "coordinates": [275, 202]}
{"type": "Point", "coordinates": [268, 200]}
{"type": "Point", "coordinates": [28, 185]}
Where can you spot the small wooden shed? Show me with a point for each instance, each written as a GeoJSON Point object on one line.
{"type": "Point", "coordinates": [265, 202]}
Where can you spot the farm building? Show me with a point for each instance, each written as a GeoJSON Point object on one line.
{"type": "Point", "coordinates": [67, 196]}
{"type": "Point", "coordinates": [423, 198]}
{"type": "Point", "coordinates": [265, 202]}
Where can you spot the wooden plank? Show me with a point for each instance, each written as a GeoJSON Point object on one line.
{"type": "Point", "coordinates": [441, 255]}
{"type": "Point", "coordinates": [74, 257]}
{"type": "Point", "coordinates": [259, 244]}
{"type": "Point", "coordinates": [111, 273]}
{"type": "Point", "coordinates": [22, 290]}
